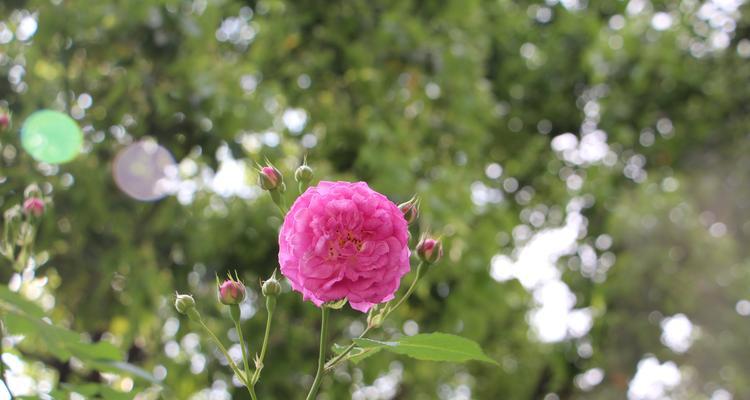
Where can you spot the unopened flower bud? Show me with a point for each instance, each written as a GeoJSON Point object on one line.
{"type": "Point", "coordinates": [4, 120]}
{"type": "Point", "coordinates": [271, 287]}
{"type": "Point", "coordinates": [184, 303]}
{"type": "Point", "coordinates": [375, 320]}
{"type": "Point", "coordinates": [429, 250]}
{"type": "Point", "coordinates": [410, 209]}
{"type": "Point", "coordinates": [303, 174]}
{"type": "Point", "coordinates": [271, 178]}
{"type": "Point", "coordinates": [33, 206]}
{"type": "Point", "coordinates": [231, 292]}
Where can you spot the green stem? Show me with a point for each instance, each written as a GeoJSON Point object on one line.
{"type": "Point", "coordinates": [263, 349]}
{"type": "Point", "coordinates": [420, 272]}
{"type": "Point", "coordinates": [224, 351]}
{"type": "Point", "coordinates": [278, 199]}
{"type": "Point", "coordinates": [321, 355]}
{"type": "Point", "coordinates": [332, 364]}
{"type": "Point", "coordinates": [251, 390]}
{"type": "Point", "coordinates": [237, 326]}
{"type": "Point", "coordinates": [2, 364]}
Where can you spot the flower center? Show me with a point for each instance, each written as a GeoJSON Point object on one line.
{"type": "Point", "coordinates": [340, 245]}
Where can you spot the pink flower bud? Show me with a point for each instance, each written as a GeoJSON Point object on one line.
{"type": "Point", "coordinates": [231, 292]}
{"type": "Point", "coordinates": [4, 120]}
{"type": "Point", "coordinates": [270, 178]}
{"type": "Point", "coordinates": [34, 206]}
{"type": "Point", "coordinates": [410, 209]}
{"type": "Point", "coordinates": [429, 250]}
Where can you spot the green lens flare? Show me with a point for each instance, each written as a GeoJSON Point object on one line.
{"type": "Point", "coordinates": [51, 137]}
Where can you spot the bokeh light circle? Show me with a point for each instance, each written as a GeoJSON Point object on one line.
{"type": "Point", "coordinates": [143, 170]}
{"type": "Point", "coordinates": [51, 137]}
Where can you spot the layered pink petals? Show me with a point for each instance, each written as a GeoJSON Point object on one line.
{"type": "Point", "coordinates": [344, 240]}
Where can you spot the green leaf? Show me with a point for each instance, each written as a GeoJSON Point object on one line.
{"type": "Point", "coordinates": [336, 305]}
{"type": "Point", "coordinates": [124, 368]}
{"type": "Point", "coordinates": [43, 336]}
{"type": "Point", "coordinates": [86, 389]}
{"type": "Point", "coordinates": [357, 354]}
{"type": "Point", "coordinates": [95, 351]}
{"type": "Point", "coordinates": [337, 348]}
{"type": "Point", "coordinates": [10, 300]}
{"type": "Point", "coordinates": [25, 318]}
{"type": "Point", "coordinates": [431, 347]}
{"type": "Point", "coordinates": [61, 342]}
{"type": "Point", "coordinates": [92, 390]}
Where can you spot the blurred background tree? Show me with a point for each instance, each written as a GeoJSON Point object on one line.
{"type": "Point", "coordinates": [585, 163]}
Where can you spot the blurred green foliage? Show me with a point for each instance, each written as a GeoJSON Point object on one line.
{"type": "Point", "coordinates": [410, 96]}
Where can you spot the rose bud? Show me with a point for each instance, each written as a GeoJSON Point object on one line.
{"type": "Point", "coordinates": [4, 120]}
{"type": "Point", "coordinates": [410, 209]}
{"type": "Point", "coordinates": [271, 287]}
{"type": "Point", "coordinates": [231, 292]}
{"type": "Point", "coordinates": [303, 174]}
{"type": "Point", "coordinates": [271, 178]}
{"type": "Point", "coordinates": [33, 206]}
{"type": "Point", "coordinates": [429, 250]}
{"type": "Point", "coordinates": [185, 304]}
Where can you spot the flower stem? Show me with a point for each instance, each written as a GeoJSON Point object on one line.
{"type": "Point", "coordinates": [278, 199]}
{"type": "Point", "coordinates": [235, 317]}
{"type": "Point", "coordinates": [224, 351]}
{"type": "Point", "coordinates": [251, 390]}
{"type": "Point", "coordinates": [259, 365]}
{"type": "Point", "coordinates": [420, 272]}
{"type": "Point", "coordinates": [322, 355]}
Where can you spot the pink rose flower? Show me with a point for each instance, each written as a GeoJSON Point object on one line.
{"type": "Point", "coordinates": [344, 240]}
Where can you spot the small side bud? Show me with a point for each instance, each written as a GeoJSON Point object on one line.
{"type": "Point", "coordinates": [33, 206]}
{"type": "Point", "coordinates": [184, 303]}
{"type": "Point", "coordinates": [429, 250]}
{"type": "Point", "coordinates": [375, 320]}
{"type": "Point", "coordinates": [271, 287]}
{"type": "Point", "coordinates": [410, 209]}
{"type": "Point", "coordinates": [303, 174]}
{"type": "Point", "coordinates": [231, 292]}
{"type": "Point", "coordinates": [271, 179]}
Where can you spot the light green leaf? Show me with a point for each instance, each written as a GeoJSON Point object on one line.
{"type": "Point", "coordinates": [336, 305]}
{"type": "Point", "coordinates": [60, 342]}
{"type": "Point", "coordinates": [357, 354]}
{"type": "Point", "coordinates": [11, 300]}
{"type": "Point", "coordinates": [86, 389]}
{"type": "Point", "coordinates": [124, 368]}
{"type": "Point", "coordinates": [431, 347]}
{"type": "Point", "coordinates": [95, 351]}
